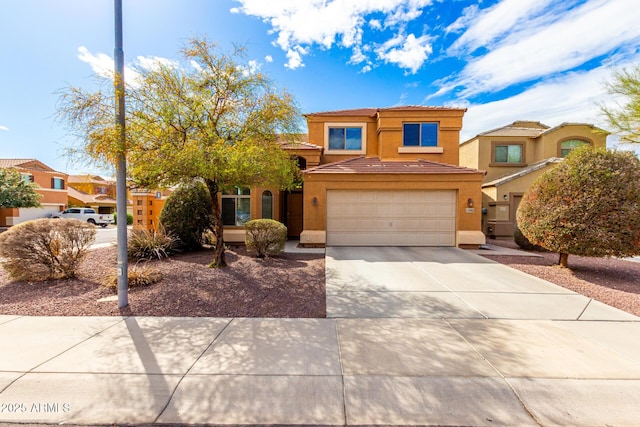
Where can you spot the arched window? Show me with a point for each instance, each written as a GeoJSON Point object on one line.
{"type": "Point", "coordinates": [267, 204]}
{"type": "Point", "coordinates": [571, 144]}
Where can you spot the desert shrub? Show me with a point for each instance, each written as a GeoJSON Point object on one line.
{"type": "Point", "coordinates": [523, 242]}
{"type": "Point", "coordinates": [589, 205]}
{"type": "Point", "coordinates": [129, 219]}
{"type": "Point", "coordinates": [137, 276]}
{"type": "Point", "coordinates": [187, 214]}
{"type": "Point", "coordinates": [150, 244]}
{"type": "Point", "coordinates": [265, 236]}
{"type": "Point", "coordinates": [46, 248]}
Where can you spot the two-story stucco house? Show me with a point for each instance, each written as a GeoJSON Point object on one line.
{"type": "Point", "coordinates": [390, 176]}
{"type": "Point", "coordinates": [514, 156]}
{"type": "Point", "coordinates": [51, 185]}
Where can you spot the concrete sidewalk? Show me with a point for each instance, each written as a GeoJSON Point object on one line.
{"type": "Point", "coordinates": [463, 341]}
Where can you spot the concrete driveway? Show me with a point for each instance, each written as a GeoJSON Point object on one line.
{"type": "Point", "coordinates": [425, 328]}
{"type": "Point", "coordinates": [447, 283]}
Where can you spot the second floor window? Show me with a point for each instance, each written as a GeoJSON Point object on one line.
{"type": "Point", "coordinates": [508, 153]}
{"type": "Point", "coordinates": [345, 138]}
{"type": "Point", "coordinates": [571, 144]}
{"type": "Point", "coordinates": [57, 183]}
{"type": "Point", "coordinates": [420, 134]}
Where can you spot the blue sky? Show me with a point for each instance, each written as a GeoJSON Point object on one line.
{"type": "Point", "coordinates": [505, 60]}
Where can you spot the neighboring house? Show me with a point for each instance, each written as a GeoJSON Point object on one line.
{"type": "Point", "coordinates": [514, 156]}
{"type": "Point", "coordinates": [92, 191]}
{"type": "Point", "coordinates": [52, 185]}
{"type": "Point", "coordinates": [147, 206]}
{"type": "Point", "coordinates": [372, 177]}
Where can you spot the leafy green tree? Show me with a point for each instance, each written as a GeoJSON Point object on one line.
{"type": "Point", "coordinates": [187, 214]}
{"type": "Point", "coordinates": [624, 117]}
{"type": "Point", "coordinates": [589, 205]}
{"type": "Point", "coordinates": [211, 117]}
{"type": "Point", "coordinates": [15, 192]}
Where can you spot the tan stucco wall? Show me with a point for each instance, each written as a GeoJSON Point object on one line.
{"type": "Point", "coordinates": [467, 186]}
{"type": "Point", "coordinates": [548, 144]}
{"type": "Point", "coordinates": [469, 154]}
{"type": "Point", "coordinates": [384, 134]}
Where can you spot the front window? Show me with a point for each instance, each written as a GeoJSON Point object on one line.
{"type": "Point", "coordinates": [236, 206]}
{"type": "Point", "coordinates": [420, 134]}
{"type": "Point", "coordinates": [267, 204]}
{"type": "Point", "coordinates": [571, 144]}
{"type": "Point", "coordinates": [57, 183]}
{"type": "Point", "coordinates": [508, 153]}
{"type": "Point", "coordinates": [27, 177]}
{"type": "Point", "coordinates": [345, 138]}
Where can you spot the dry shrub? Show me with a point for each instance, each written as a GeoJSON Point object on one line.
{"type": "Point", "coordinates": [150, 244]}
{"type": "Point", "coordinates": [136, 277]}
{"type": "Point", "coordinates": [44, 249]}
{"type": "Point", "coordinates": [265, 236]}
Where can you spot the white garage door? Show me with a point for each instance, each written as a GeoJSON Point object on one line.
{"type": "Point", "coordinates": [391, 218]}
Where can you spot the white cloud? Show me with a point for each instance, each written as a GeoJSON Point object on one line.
{"type": "Point", "coordinates": [572, 98]}
{"type": "Point", "coordinates": [409, 53]}
{"type": "Point", "coordinates": [366, 69]}
{"type": "Point", "coordinates": [488, 25]}
{"type": "Point", "coordinates": [301, 24]}
{"type": "Point", "coordinates": [268, 58]}
{"type": "Point", "coordinates": [550, 44]}
{"type": "Point", "coordinates": [101, 64]}
{"type": "Point", "coordinates": [252, 68]}
{"type": "Point", "coordinates": [4, 128]}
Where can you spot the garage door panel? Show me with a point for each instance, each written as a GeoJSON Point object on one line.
{"type": "Point", "coordinates": [383, 218]}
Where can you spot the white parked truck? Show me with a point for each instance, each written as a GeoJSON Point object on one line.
{"type": "Point", "coordinates": [86, 214]}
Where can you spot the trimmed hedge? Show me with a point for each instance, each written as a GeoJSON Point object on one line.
{"type": "Point", "coordinates": [265, 236]}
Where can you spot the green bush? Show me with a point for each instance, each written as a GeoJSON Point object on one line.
{"type": "Point", "coordinates": [129, 219]}
{"type": "Point", "coordinates": [150, 244]}
{"type": "Point", "coordinates": [265, 236]}
{"type": "Point", "coordinates": [589, 205]}
{"type": "Point", "coordinates": [187, 214]}
{"type": "Point", "coordinates": [523, 242]}
{"type": "Point", "coordinates": [46, 248]}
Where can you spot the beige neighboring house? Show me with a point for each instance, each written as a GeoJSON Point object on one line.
{"type": "Point", "coordinates": [514, 156]}
{"type": "Point", "coordinates": [52, 185]}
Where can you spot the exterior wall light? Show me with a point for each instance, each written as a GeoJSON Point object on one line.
{"type": "Point", "coordinates": [314, 201]}
{"type": "Point", "coordinates": [470, 202]}
{"type": "Point", "coordinates": [505, 197]}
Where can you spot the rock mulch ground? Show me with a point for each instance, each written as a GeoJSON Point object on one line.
{"type": "Point", "coordinates": [610, 280]}
{"type": "Point", "coordinates": [290, 285]}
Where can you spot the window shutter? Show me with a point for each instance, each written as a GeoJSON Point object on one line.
{"type": "Point", "coordinates": [53, 183]}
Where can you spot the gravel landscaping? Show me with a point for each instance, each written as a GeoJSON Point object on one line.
{"type": "Point", "coordinates": [290, 285]}
{"type": "Point", "coordinates": [609, 280]}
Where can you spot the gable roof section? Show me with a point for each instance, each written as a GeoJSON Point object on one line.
{"type": "Point", "coordinates": [88, 179]}
{"type": "Point", "coordinates": [27, 164]}
{"type": "Point", "coordinates": [560, 126]}
{"type": "Point", "coordinates": [522, 172]}
{"type": "Point", "coordinates": [371, 112]}
{"type": "Point", "coordinates": [90, 198]}
{"type": "Point", "coordinates": [373, 165]}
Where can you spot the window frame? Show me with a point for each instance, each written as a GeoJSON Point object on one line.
{"type": "Point", "coordinates": [523, 156]}
{"type": "Point", "coordinates": [573, 138]}
{"type": "Point", "coordinates": [345, 125]}
{"type": "Point", "coordinates": [236, 197]}
{"type": "Point", "coordinates": [266, 195]}
{"type": "Point", "coordinates": [60, 180]}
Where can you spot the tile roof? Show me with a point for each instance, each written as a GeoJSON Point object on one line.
{"type": "Point", "coordinates": [90, 198]}
{"type": "Point", "coordinates": [94, 179]}
{"type": "Point", "coordinates": [574, 124]}
{"type": "Point", "coordinates": [373, 165]}
{"type": "Point", "coordinates": [522, 172]}
{"type": "Point", "coordinates": [11, 163]}
{"type": "Point", "coordinates": [371, 112]}
{"type": "Point", "coordinates": [27, 164]}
